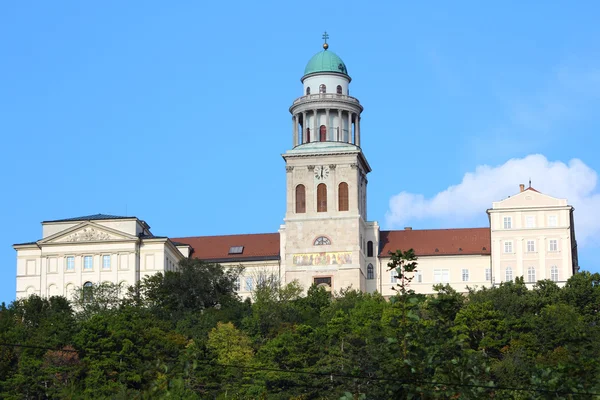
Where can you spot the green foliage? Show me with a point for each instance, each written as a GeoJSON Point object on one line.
{"type": "Point", "coordinates": [188, 336]}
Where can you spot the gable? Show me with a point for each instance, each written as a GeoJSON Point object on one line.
{"type": "Point", "coordinates": [529, 198]}
{"type": "Point", "coordinates": [87, 232]}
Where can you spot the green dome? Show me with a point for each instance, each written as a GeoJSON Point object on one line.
{"type": "Point", "coordinates": [325, 61]}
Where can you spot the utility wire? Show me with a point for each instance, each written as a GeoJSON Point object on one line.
{"type": "Point", "coordinates": [326, 374]}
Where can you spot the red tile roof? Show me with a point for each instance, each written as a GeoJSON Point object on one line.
{"type": "Point", "coordinates": [265, 246]}
{"type": "Point", "coordinates": [437, 242]}
{"type": "Point", "coordinates": [256, 246]}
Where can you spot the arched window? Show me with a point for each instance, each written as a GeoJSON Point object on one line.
{"type": "Point", "coordinates": [322, 198]}
{"type": "Point", "coordinates": [322, 133]}
{"type": "Point", "coordinates": [322, 241]}
{"type": "Point", "coordinates": [322, 88]}
{"type": "Point", "coordinates": [343, 196]}
{"type": "Point", "coordinates": [554, 273]}
{"type": "Point", "coordinates": [338, 90]}
{"type": "Point", "coordinates": [370, 272]}
{"type": "Point", "coordinates": [369, 249]}
{"type": "Point", "coordinates": [307, 135]}
{"type": "Point", "coordinates": [87, 292]}
{"type": "Point", "coordinates": [508, 277]}
{"type": "Point", "coordinates": [300, 199]}
{"type": "Point", "coordinates": [531, 274]}
{"type": "Point", "coordinates": [308, 90]}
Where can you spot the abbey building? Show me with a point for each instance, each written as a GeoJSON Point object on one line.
{"type": "Point", "coordinates": [326, 238]}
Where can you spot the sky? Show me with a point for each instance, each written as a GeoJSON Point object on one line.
{"type": "Point", "coordinates": [177, 112]}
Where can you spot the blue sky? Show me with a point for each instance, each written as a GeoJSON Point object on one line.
{"type": "Point", "coordinates": [178, 112]}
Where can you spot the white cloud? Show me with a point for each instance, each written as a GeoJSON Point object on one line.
{"type": "Point", "coordinates": [466, 202]}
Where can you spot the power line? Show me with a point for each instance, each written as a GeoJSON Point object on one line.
{"type": "Point", "coordinates": [330, 375]}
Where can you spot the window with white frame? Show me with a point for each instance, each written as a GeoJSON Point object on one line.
{"type": "Point", "coordinates": [419, 277]}
{"type": "Point", "coordinates": [531, 246]}
{"type": "Point", "coordinates": [106, 261]}
{"type": "Point", "coordinates": [488, 274]}
{"type": "Point", "coordinates": [554, 273]}
{"type": "Point", "coordinates": [530, 221]}
{"type": "Point", "coordinates": [465, 275]}
{"type": "Point", "coordinates": [507, 222]}
{"type": "Point", "coordinates": [553, 245]}
{"type": "Point", "coordinates": [70, 263]}
{"type": "Point", "coordinates": [441, 275]}
{"type": "Point", "coordinates": [552, 221]}
{"type": "Point", "coordinates": [237, 284]}
{"type": "Point", "coordinates": [531, 274]}
{"type": "Point", "coordinates": [88, 262]}
{"type": "Point", "coordinates": [508, 274]}
{"type": "Point", "coordinates": [393, 276]}
{"type": "Point", "coordinates": [508, 246]}
{"type": "Point", "coordinates": [249, 284]}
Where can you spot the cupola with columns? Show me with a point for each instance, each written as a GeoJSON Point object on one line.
{"type": "Point", "coordinates": [326, 112]}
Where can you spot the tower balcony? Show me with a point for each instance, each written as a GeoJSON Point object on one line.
{"type": "Point", "coordinates": [326, 97]}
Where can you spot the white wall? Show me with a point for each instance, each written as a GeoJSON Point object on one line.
{"type": "Point", "coordinates": [331, 81]}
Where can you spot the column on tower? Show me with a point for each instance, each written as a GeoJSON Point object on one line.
{"type": "Point", "coordinates": [327, 128]}
{"type": "Point", "coordinates": [357, 130]}
{"type": "Point", "coordinates": [316, 124]}
{"type": "Point", "coordinates": [305, 138]}
{"type": "Point", "coordinates": [295, 131]}
{"type": "Point", "coordinates": [340, 128]}
{"type": "Point", "coordinates": [349, 127]}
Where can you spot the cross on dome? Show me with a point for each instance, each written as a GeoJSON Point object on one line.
{"type": "Point", "coordinates": [325, 37]}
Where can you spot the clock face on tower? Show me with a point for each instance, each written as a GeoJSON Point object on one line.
{"type": "Point", "coordinates": [321, 172]}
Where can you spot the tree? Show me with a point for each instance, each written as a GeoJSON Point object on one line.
{"type": "Point", "coordinates": [196, 286]}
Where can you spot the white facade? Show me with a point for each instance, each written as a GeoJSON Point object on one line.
{"type": "Point", "coordinates": [532, 236]}
{"type": "Point", "coordinates": [92, 249]}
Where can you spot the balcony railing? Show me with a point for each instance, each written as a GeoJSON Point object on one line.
{"type": "Point", "coordinates": [326, 96]}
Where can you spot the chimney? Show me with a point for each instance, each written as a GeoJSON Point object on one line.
{"type": "Point", "coordinates": [522, 187]}
{"type": "Point", "coordinates": [408, 228]}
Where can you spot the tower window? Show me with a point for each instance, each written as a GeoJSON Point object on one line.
{"type": "Point", "coordinates": [322, 241]}
{"type": "Point", "coordinates": [338, 90]}
{"type": "Point", "coordinates": [369, 249]}
{"type": "Point", "coordinates": [322, 198]}
{"type": "Point", "coordinates": [343, 196]}
{"type": "Point", "coordinates": [322, 88]}
{"type": "Point", "coordinates": [322, 133]}
{"type": "Point", "coordinates": [370, 272]}
{"type": "Point", "coordinates": [308, 90]}
{"type": "Point", "coordinates": [307, 135]}
{"type": "Point", "coordinates": [300, 199]}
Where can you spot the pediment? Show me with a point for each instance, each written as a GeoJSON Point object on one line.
{"type": "Point", "coordinates": [87, 232]}
{"type": "Point", "coordinates": [530, 198]}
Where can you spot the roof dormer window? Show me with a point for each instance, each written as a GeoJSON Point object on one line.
{"type": "Point", "coordinates": [236, 249]}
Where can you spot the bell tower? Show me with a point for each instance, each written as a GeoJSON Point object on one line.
{"type": "Point", "coordinates": [324, 237]}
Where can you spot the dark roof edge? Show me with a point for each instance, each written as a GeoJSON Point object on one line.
{"type": "Point", "coordinates": [434, 229]}
{"type": "Point", "coordinates": [239, 259]}
{"type": "Point", "coordinates": [88, 218]}
{"type": "Point", "coordinates": [381, 255]}
{"type": "Point", "coordinates": [235, 234]}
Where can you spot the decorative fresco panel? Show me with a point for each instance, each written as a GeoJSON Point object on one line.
{"type": "Point", "coordinates": [309, 259]}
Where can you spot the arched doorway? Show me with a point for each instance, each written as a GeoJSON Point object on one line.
{"type": "Point", "coordinates": [322, 133]}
